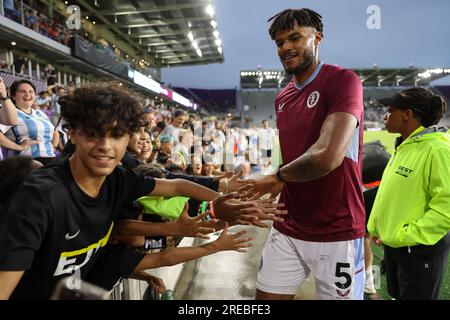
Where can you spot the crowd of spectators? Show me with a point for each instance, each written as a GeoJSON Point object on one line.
{"type": "Point", "coordinates": [168, 145]}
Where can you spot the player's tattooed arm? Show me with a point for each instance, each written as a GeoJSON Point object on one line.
{"type": "Point", "coordinates": [326, 154]}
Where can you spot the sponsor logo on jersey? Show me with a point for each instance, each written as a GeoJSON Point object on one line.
{"type": "Point", "coordinates": [343, 294]}
{"type": "Point", "coordinates": [71, 261]}
{"type": "Point", "coordinates": [70, 237]}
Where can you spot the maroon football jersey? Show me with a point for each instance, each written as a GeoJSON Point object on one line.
{"type": "Point", "coordinates": [330, 208]}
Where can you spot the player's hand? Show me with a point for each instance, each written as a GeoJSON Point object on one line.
{"type": "Point", "coordinates": [227, 207]}
{"type": "Point", "coordinates": [257, 187]}
{"type": "Point", "coordinates": [270, 211]}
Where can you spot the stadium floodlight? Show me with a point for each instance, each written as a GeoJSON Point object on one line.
{"type": "Point", "coordinates": [216, 34]}
{"type": "Point", "coordinates": [199, 52]}
{"type": "Point", "coordinates": [425, 74]}
{"type": "Point", "coordinates": [190, 35]}
{"type": "Point", "coordinates": [218, 42]}
{"type": "Point", "coordinates": [195, 44]}
{"type": "Point", "coordinates": [210, 10]}
{"type": "Point", "coordinates": [214, 24]}
{"type": "Point", "coordinates": [220, 50]}
{"type": "Point", "coordinates": [436, 71]}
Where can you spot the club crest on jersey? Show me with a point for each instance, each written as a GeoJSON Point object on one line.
{"type": "Point", "coordinates": [313, 99]}
{"type": "Point", "coordinates": [281, 106]}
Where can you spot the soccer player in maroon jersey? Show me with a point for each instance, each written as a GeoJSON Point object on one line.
{"type": "Point", "coordinates": [320, 123]}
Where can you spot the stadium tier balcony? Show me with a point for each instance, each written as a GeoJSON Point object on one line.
{"type": "Point", "coordinates": [215, 100]}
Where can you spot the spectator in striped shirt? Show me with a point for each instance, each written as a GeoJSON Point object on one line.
{"type": "Point", "coordinates": [33, 125]}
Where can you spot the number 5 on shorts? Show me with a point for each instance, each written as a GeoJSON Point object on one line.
{"type": "Point", "coordinates": [339, 273]}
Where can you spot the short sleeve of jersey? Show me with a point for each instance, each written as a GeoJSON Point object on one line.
{"type": "Point", "coordinates": [345, 93]}
{"type": "Point", "coordinates": [4, 128]}
{"type": "Point", "coordinates": [23, 225]}
{"type": "Point", "coordinates": [136, 185]}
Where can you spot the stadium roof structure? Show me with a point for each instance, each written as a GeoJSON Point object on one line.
{"type": "Point", "coordinates": [370, 77]}
{"type": "Point", "coordinates": [165, 32]}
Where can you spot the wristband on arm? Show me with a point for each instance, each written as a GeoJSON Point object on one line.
{"type": "Point", "coordinates": [205, 206]}
{"type": "Point", "coordinates": [278, 174]}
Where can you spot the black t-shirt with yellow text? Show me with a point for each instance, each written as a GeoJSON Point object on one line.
{"type": "Point", "coordinates": [52, 229]}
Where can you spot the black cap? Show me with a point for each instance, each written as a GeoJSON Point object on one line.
{"type": "Point", "coordinates": [402, 102]}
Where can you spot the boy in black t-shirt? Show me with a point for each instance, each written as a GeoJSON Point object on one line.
{"type": "Point", "coordinates": [61, 217]}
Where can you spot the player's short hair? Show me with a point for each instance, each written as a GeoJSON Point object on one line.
{"type": "Point", "coordinates": [285, 20]}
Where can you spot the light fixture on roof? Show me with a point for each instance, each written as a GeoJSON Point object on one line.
{"type": "Point", "coordinates": [148, 49]}
{"type": "Point", "coordinates": [216, 34]}
{"type": "Point", "coordinates": [66, 2]}
{"type": "Point", "coordinates": [218, 42]}
{"type": "Point", "coordinates": [214, 24]}
{"type": "Point", "coordinates": [115, 18]}
{"type": "Point", "coordinates": [140, 40]}
{"type": "Point", "coordinates": [13, 43]}
{"type": "Point", "coordinates": [96, 3]}
{"type": "Point", "coordinates": [195, 45]}
{"type": "Point", "coordinates": [129, 30]}
{"type": "Point", "coordinates": [210, 10]}
{"type": "Point", "coordinates": [199, 52]}
{"type": "Point", "coordinates": [190, 35]}
{"type": "Point", "coordinates": [93, 22]}
{"type": "Point", "coordinates": [189, 24]}
{"type": "Point", "coordinates": [220, 50]}
{"type": "Point", "coordinates": [87, 17]}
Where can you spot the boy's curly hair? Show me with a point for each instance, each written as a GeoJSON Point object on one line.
{"type": "Point", "coordinates": [98, 108]}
